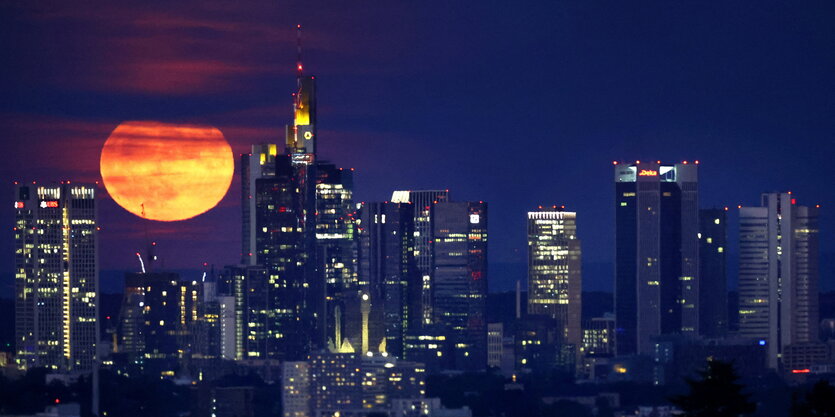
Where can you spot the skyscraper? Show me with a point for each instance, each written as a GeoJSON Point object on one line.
{"type": "Point", "coordinates": [656, 255]}
{"type": "Point", "coordinates": [336, 245]}
{"type": "Point", "coordinates": [283, 247]}
{"type": "Point", "coordinates": [56, 276]}
{"type": "Point", "coordinates": [252, 293]}
{"type": "Point", "coordinates": [460, 279]}
{"type": "Point", "coordinates": [713, 283]}
{"type": "Point", "coordinates": [260, 163]}
{"type": "Point", "coordinates": [554, 277]}
{"type": "Point", "coordinates": [422, 201]}
{"type": "Point", "coordinates": [387, 266]}
{"type": "Point", "coordinates": [778, 273]}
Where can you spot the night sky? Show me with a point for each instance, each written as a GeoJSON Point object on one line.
{"type": "Point", "coordinates": [514, 103]}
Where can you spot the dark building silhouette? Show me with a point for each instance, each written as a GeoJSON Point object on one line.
{"type": "Point", "coordinates": [421, 203]}
{"type": "Point", "coordinates": [656, 255]}
{"type": "Point", "coordinates": [282, 247]}
{"type": "Point", "coordinates": [387, 266]}
{"type": "Point", "coordinates": [713, 282]}
{"type": "Point", "coordinates": [259, 163]}
{"type": "Point", "coordinates": [460, 279]}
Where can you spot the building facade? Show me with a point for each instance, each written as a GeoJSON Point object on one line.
{"type": "Point", "coordinates": [460, 279]}
{"type": "Point", "coordinates": [713, 285]}
{"type": "Point", "coordinates": [421, 203]}
{"type": "Point", "coordinates": [56, 276]}
{"type": "Point", "coordinates": [259, 163]}
{"type": "Point", "coordinates": [336, 247]}
{"type": "Point", "coordinates": [387, 267]}
{"type": "Point", "coordinates": [349, 384]}
{"type": "Point", "coordinates": [778, 273]}
{"type": "Point", "coordinates": [554, 271]}
{"type": "Point", "coordinates": [656, 253]}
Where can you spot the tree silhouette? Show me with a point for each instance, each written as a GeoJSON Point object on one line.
{"type": "Point", "coordinates": [715, 394]}
{"type": "Point", "coordinates": [819, 402]}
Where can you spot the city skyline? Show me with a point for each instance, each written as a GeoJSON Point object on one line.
{"type": "Point", "coordinates": [551, 209]}
{"type": "Point", "coordinates": [258, 111]}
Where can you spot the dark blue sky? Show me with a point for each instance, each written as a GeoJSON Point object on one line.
{"type": "Point", "coordinates": [514, 103]}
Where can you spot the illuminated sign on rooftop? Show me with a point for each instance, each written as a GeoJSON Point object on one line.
{"type": "Point", "coordinates": [49, 204]}
{"type": "Point", "coordinates": [648, 173]}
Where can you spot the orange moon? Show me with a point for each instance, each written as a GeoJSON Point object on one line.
{"type": "Point", "coordinates": [166, 172]}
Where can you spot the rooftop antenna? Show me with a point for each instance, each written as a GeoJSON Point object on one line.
{"type": "Point", "coordinates": [299, 66]}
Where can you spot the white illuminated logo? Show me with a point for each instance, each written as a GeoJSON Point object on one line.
{"type": "Point", "coordinates": [474, 218]}
{"type": "Point", "coordinates": [400, 197]}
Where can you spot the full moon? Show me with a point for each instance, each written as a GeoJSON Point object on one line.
{"type": "Point", "coordinates": [166, 172]}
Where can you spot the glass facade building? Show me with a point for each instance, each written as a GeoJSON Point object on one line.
{"type": "Point", "coordinates": [282, 248]}
{"type": "Point", "coordinates": [387, 266]}
{"type": "Point", "coordinates": [259, 163]}
{"type": "Point", "coordinates": [336, 247]}
{"type": "Point", "coordinates": [656, 253]}
{"type": "Point", "coordinates": [422, 202]}
{"type": "Point", "coordinates": [460, 279]}
{"type": "Point", "coordinates": [56, 276]}
{"type": "Point", "coordinates": [554, 270]}
{"type": "Point", "coordinates": [778, 273]}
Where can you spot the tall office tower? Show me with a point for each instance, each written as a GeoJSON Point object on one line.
{"type": "Point", "coordinates": [778, 273]}
{"type": "Point", "coordinates": [282, 247]}
{"type": "Point", "coordinates": [422, 202]}
{"type": "Point", "coordinates": [460, 279]}
{"type": "Point", "coordinates": [554, 277]}
{"type": "Point", "coordinates": [260, 163]}
{"type": "Point", "coordinates": [301, 150]}
{"type": "Point", "coordinates": [56, 276]}
{"type": "Point", "coordinates": [336, 246]}
{"type": "Point", "coordinates": [387, 265]}
{"type": "Point", "coordinates": [656, 255]}
{"type": "Point", "coordinates": [713, 283]}
{"type": "Point", "coordinates": [252, 290]}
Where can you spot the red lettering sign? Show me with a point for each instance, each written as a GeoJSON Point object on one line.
{"type": "Point", "coordinates": [51, 204]}
{"type": "Point", "coordinates": [648, 173]}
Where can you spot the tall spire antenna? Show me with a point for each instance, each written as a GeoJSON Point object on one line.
{"type": "Point", "coordinates": [299, 66]}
